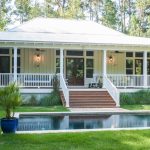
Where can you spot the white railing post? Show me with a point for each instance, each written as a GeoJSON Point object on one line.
{"type": "Point", "coordinates": [15, 64]}
{"type": "Point", "coordinates": [61, 62]}
{"type": "Point", "coordinates": [104, 66]}
{"type": "Point", "coordinates": [145, 68]}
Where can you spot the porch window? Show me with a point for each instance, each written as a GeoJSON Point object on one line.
{"type": "Point", "coordinates": [89, 53]}
{"type": "Point", "coordinates": [89, 68]}
{"type": "Point", "coordinates": [4, 51]}
{"type": "Point", "coordinates": [74, 53]}
{"type": "Point", "coordinates": [139, 54]}
{"type": "Point", "coordinates": [57, 52]}
{"type": "Point", "coordinates": [129, 54]}
{"type": "Point", "coordinates": [129, 66]}
{"type": "Point", "coordinates": [57, 65]}
{"type": "Point", "coordinates": [18, 64]}
{"type": "Point", "coordinates": [148, 63]}
{"type": "Point", "coordinates": [134, 63]}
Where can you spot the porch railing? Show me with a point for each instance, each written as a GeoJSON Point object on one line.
{"type": "Point", "coordinates": [148, 80]}
{"type": "Point", "coordinates": [122, 80]}
{"type": "Point", "coordinates": [6, 79]}
{"type": "Point", "coordinates": [112, 90]}
{"type": "Point", "coordinates": [35, 80]}
{"type": "Point", "coordinates": [64, 89]}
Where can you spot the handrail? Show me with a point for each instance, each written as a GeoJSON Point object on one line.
{"type": "Point", "coordinates": [64, 89]}
{"type": "Point", "coordinates": [112, 90]}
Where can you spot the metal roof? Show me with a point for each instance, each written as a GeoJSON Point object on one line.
{"type": "Point", "coordinates": [69, 31]}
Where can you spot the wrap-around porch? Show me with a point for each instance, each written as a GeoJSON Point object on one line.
{"type": "Point", "coordinates": [77, 71]}
{"type": "Point", "coordinates": [110, 82]}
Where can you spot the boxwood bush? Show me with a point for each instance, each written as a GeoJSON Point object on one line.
{"type": "Point", "coordinates": [139, 97]}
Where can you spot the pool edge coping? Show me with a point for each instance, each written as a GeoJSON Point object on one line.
{"type": "Point", "coordinates": [81, 130]}
{"type": "Point", "coordinates": [17, 114]}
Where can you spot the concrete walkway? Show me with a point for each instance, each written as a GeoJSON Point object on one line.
{"type": "Point", "coordinates": [98, 110]}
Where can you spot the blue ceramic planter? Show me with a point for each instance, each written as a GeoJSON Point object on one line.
{"type": "Point", "coordinates": [9, 125]}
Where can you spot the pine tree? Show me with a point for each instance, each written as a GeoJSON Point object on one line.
{"type": "Point", "coordinates": [23, 9]}
{"type": "Point", "coordinates": [5, 17]}
{"type": "Point", "coordinates": [109, 14]}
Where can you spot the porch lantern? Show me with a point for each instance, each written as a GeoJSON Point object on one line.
{"type": "Point", "coordinates": [37, 58]}
{"type": "Point", "coordinates": [110, 60]}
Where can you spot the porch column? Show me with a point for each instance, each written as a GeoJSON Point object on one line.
{"type": "Point", "coordinates": [145, 68]}
{"type": "Point", "coordinates": [15, 64]}
{"type": "Point", "coordinates": [104, 65]}
{"type": "Point", "coordinates": [61, 62]}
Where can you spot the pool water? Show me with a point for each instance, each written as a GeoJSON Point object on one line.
{"type": "Point", "coordinates": [68, 122]}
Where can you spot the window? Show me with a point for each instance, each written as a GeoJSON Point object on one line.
{"type": "Point", "coordinates": [18, 64]}
{"type": "Point", "coordinates": [139, 54]}
{"type": "Point", "coordinates": [57, 65]}
{"type": "Point", "coordinates": [129, 66]}
{"type": "Point", "coordinates": [75, 53]}
{"type": "Point", "coordinates": [134, 63]}
{"type": "Point", "coordinates": [129, 54]}
{"type": "Point", "coordinates": [148, 66]}
{"type": "Point", "coordinates": [89, 53]}
{"type": "Point", "coordinates": [148, 54]}
{"type": "Point", "coordinates": [57, 52]}
{"type": "Point", "coordinates": [4, 51]}
{"type": "Point", "coordinates": [89, 68]}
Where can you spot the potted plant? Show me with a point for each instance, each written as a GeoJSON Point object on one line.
{"type": "Point", "coordinates": [9, 98]}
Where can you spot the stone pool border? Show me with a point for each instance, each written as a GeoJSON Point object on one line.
{"type": "Point", "coordinates": [82, 113]}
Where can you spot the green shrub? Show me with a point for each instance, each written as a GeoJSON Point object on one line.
{"type": "Point", "coordinates": [51, 100]}
{"type": "Point", "coordinates": [54, 97]}
{"type": "Point", "coordinates": [33, 101]}
{"type": "Point", "coordinates": [140, 97]}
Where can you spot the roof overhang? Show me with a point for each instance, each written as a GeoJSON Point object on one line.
{"type": "Point", "coordinates": [77, 46]}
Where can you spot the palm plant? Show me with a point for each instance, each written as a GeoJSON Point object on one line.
{"type": "Point", "coordinates": [10, 98]}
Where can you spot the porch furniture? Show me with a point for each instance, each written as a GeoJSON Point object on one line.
{"type": "Point", "coordinates": [96, 82]}
{"type": "Point", "coordinates": [95, 85]}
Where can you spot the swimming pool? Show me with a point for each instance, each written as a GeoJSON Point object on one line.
{"type": "Point", "coordinates": [47, 122]}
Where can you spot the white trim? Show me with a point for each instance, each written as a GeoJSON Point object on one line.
{"type": "Point", "coordinates": [87, 89]}
{"type": "Point", "coordinates": [15, 64]}
{"type": "Point", "coordinates": [145, 68]}
{"type": "Point", "coordinates": [61, 61]}
{"type": "Point", "coordinates": [36, 90]}
{"type": "Point", "coordinates": [104, 65]}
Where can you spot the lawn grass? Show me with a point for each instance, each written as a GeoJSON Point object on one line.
{"type": "Point", "coordinates": [37, 109]}
{"type": "Point", "coordinates": [136, 107]}
{"type": "Point", "coordinates": [104, 140]}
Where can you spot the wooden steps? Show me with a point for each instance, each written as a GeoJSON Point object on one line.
{"type": "Point", "coordinates": [91, 99]}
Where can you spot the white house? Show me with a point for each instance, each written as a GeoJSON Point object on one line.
{"type": "Point", "coordinates": [82, 52]}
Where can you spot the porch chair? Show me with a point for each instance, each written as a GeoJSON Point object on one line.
{"type": "Point", "coordinates": [96, 82]}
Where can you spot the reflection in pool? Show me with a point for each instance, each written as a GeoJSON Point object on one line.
{"type": "Point", "coordinates": [67, 122]}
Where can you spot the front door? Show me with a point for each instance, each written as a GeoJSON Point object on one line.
{"type": "Point", "coordinates": [75, 71]}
